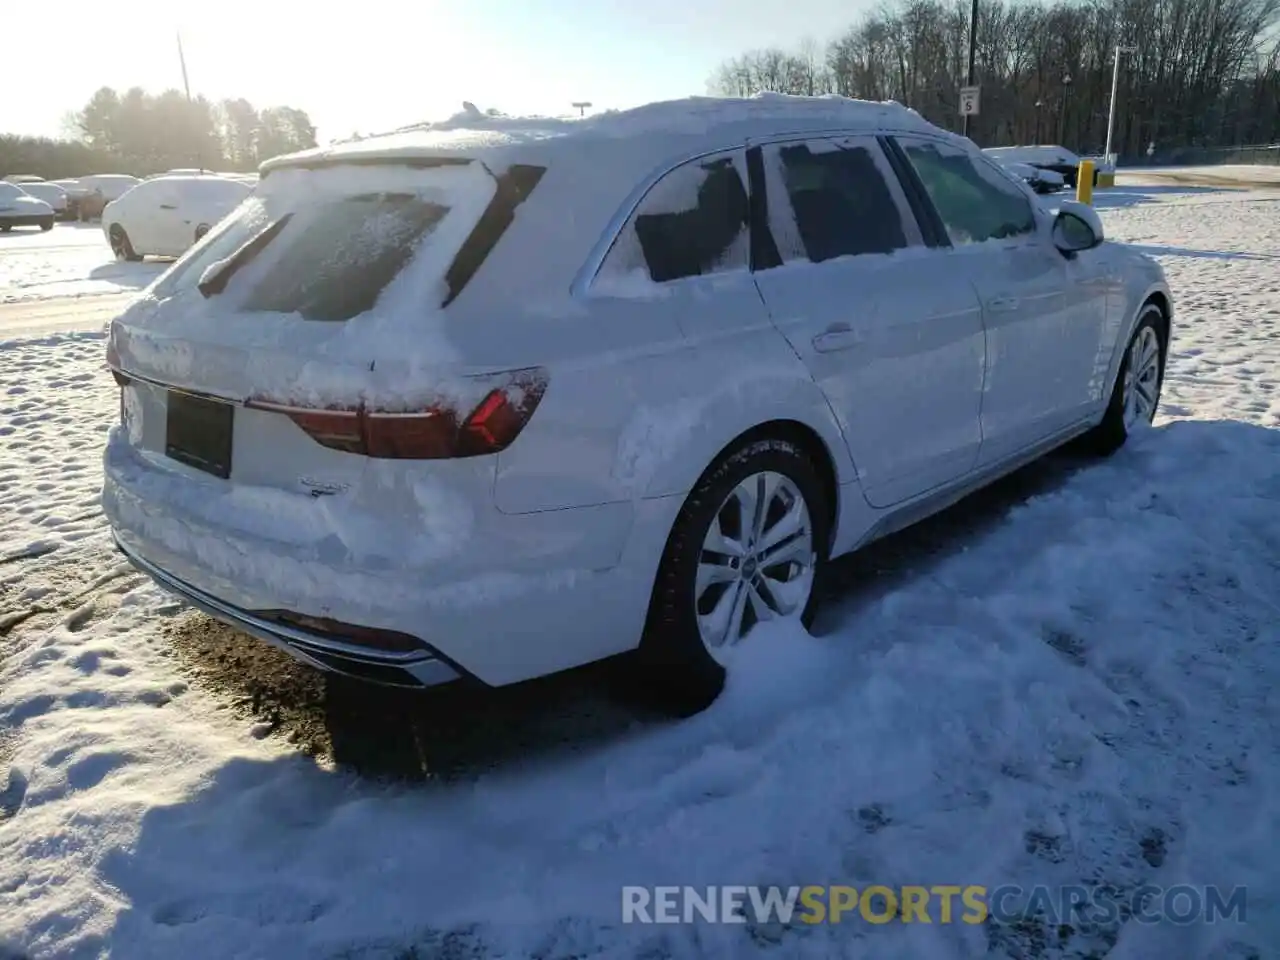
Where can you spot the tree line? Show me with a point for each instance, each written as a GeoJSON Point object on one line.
{"type": "Point", "coordinates": [141, 133]}
{"type": "Point", "coordinates": [1202, 74]}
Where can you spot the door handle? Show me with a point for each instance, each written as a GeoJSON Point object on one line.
{"type": "Point", "coordinates": [1003, 304]}
{"type": "Point", "coordinates": [167, 206]}
{"type": "Point", "coordinates": [838, 336]}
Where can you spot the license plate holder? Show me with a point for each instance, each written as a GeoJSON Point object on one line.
{"type": "Point", "coordinates": [198, 433]}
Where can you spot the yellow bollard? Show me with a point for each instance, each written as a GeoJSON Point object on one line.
{"type": "Point", "coordinates": [1084, 181]}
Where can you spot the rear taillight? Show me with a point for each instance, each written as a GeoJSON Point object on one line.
{"type": "Point", "coordinates": [439, 432]}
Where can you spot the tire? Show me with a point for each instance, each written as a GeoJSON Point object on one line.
{"type": "Point", "coordinates": [1110, 435]}
{"type": "Point", "coordinates": [47, 224]}
{"type": "Point", "coordinates": [680, 672]}
{"type": "Point", "coordinates": [121, 245]}
{"type": "Point", "coordinates": [5, 227]}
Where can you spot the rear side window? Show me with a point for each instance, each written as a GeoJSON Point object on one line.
{"type": "Point", "coordinates": [334, 264]}
{"type": "Point", "coordinates": [974, 199]}
{"type": "Point", "coordinates": [835, 198]}
{"type": "Point", "coordinates": [691, 223]}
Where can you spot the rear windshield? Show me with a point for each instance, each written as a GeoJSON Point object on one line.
{"type": "Point", "coordinates": [333, 265]}
{"type": "Point", "coordinates": [329, 253]}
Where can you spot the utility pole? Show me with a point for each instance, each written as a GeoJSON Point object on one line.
{"type": "Point", "coordinates": [1115, 86]}
{"type": "Point", "coordinates": [1062, 110]}
{"type": "Point", "coordinates": [186, 85]}
{"type": "Point", "coordinates": [973, 38]}
{"type": "Point", "coordinates": [582, 106]}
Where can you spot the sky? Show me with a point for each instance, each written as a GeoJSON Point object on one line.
{"type": "Point", "coordinates": [374, 65]}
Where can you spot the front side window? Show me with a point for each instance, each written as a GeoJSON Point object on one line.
{"type": "Point", "coordinates": [692, 222]}
{"type": "Point", "coordinates": [975, 200]}
{"type": "Point", "coordinates": [835, 198]}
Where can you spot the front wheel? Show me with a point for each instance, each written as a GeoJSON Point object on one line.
{"type": "Point", "coordinates": [748, 546]}
{"type": "Point", "coordinates": [46, 224]}
{"type": "Point", "coordinates": [121, 245]}
{"type": "Point", "coordinates": [1136, 394]}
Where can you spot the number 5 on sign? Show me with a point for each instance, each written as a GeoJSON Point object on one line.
{"type": "Point", "coordinates": [970, 99]}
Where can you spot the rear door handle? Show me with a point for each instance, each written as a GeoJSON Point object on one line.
{"type": "Point", "coordinates": [838, 336]}
{"type": "Point", "coordinates": [1003, 304]}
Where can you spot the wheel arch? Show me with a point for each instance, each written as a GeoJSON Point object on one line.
{"type": "Point", "coordinates": [804, 437]}
{"type": "Point", "coordinates": [1161, 301]}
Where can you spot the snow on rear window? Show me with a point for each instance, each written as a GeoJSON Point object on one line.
{"type": "Point", "coordinates": [334, 264]}
{"type": "Point", "coordinates": [692, 222]}
{"type": "Point", "coordinates": [337, 240]}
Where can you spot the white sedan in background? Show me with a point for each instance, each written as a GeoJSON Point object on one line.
{"type": "Point", "coordinates": [51, 193]}
{"type": "Point", "coordinates": [19, 209]}
{"type": "Point", "coordinates": [165, 216]}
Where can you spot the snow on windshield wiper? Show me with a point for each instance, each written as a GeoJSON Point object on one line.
{"type": "Point", "coordinates": [215, 278]}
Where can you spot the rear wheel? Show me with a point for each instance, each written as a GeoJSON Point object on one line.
{"type": "Point", "coordinates": [120, 244]}
{"type": "Point", "coordinates": [748, 546]}
{"type": "Point", "coordinates": [5, 227]}
{"type": "Point", "coordinates": [46, 224]}
{"type": "Point", "coordinates": [1136, 394]}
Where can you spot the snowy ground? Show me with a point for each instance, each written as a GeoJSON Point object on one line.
{"type": "Point", "coordinates": [71, 260]}
{"type": "Point", "coordinates": [1071, 683]}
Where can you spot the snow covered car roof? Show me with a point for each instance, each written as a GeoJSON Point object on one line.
{"type": "Point", "coordinates": [635, 140]}
{"type": "Point", "coordinates": [1040, 154]}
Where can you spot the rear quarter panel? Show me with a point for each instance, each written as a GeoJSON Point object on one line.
{"type": "Point", "coordinates": [638, 408]}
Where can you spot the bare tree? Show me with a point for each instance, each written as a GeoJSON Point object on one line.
{"type": "Point", "coordinates": [1205, 73]}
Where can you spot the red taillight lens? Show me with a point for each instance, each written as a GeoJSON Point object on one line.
{"type": "Point", "coordinates": [435, 433]}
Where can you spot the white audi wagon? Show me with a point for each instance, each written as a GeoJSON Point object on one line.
{"type": "Point", "coordinates": [497, 397]}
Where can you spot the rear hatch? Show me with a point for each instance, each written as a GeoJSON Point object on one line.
{"type": "Point", "coordinates": [310, 325]}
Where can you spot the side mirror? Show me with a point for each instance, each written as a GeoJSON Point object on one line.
{"type": "Point", "coordinates": [1076, 227]}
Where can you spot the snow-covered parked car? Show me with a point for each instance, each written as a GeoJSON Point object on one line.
{"type": "Point", "coordinates": [502, 396]}
{"type": "Point", "coordinates": [165, 216]}
{"type": "Point", "coordinates": [50, 193]}
{"type": "Point", "coordinates": [1056, 159]}
{"type": "Point", "coordinates": [1041, 181]}
{"type": "Point", "coordinates": [101, 189]}
{"type": "Point", "coordinates": [19, 209]}
{"type": "Point", "coordinates": [76, 194]}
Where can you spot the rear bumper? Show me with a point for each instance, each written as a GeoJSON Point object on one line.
{"type": "Point", "coordinates": [424, 669]}
{"type": "Point", "coordinates": [511, 597]}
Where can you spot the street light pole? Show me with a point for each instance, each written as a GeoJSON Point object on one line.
{"type": "Point", "coordinates": [186, 85]}
{"type": "Point", "coordinates": [973, 37]}
{"type": "Point", "coordinates": [1062, 111]}
{"type": "Point", "coordinates": [1115, 85]}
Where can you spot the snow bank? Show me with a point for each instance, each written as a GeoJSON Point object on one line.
{"type": "Point", "coordinates": [1082, 694]}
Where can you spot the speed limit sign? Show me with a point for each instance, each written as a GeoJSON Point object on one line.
{"type": "Point", "coordinates": [970, 98]}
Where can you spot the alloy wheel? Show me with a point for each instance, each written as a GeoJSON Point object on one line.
{"type": "Point", "coordinates": [757, 561]}
{"type": "Point", "coordinates": [1142, 379]}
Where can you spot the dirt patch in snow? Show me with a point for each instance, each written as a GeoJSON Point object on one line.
{"type": "Point", "coordinates": [446, 732]}
{"type": "Point", "coordinates": [464, 728]}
